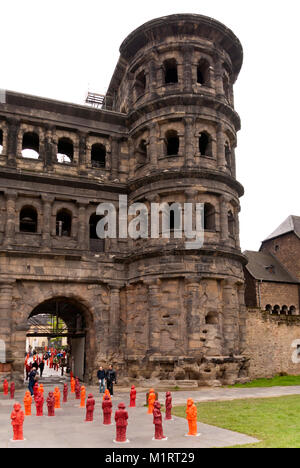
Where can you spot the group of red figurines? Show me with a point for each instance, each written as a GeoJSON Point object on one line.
{"type": "Point", "coordinates": [6, 388]}
{"type": "Point", "coordinates": [121, 415]}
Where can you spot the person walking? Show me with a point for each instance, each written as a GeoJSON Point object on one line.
{"type": "Point", "coordinates": [41, 367]}
{"type": "Point", "coordinates": [101, 375]}
{"type": "Point", "coordinates": [32, 380]}
{"type": "Point", "coordinates": [111, 378]}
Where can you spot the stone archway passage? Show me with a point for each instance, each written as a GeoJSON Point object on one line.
{"type": "Point", "coordinates": [62, 317]}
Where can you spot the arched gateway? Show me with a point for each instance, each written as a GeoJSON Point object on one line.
{"type": "Point", "coordinates": [63, 317]}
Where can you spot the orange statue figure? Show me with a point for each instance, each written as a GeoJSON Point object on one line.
{"type": "Point", "coordinates": [41, 389]}
{"type": "Point", "coordinates": [5, 387]}
{"type": "Point", "coordinates": [27, 403]}
{"type": "Point", "coordinates": [151, 400]}
{"type": "Point", "coordinates": [56, 394]}
{"type": "Point", "coordinates": [191, 416]}
{"type": "Point", "coordinates": [17, 420]}
{"type": "Point", "coordinates": [132, 397]}
{"type": "Point", "coordinates": [106, 393]}
{"type": "Point", "coordinates": [82, 396]}
{"type": "Point", "coordinates": [72, 385]}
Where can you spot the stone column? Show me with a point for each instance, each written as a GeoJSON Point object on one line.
{"type": "Point", "coordinates": [82, 150]}
{"type": "Point", "coordinates": [82, 225]}
{"type": "Point", "coordinates": [153, 146]}
{"type": "Point", "coordinates": [115, 144]}
{"type": "Point", "coordinates": [152, 78]}
{"type": "Point", "coordinates": [12, 141]}
{"type": "Point", "coordinates": [49, 148]}
{"type": "Point", "coordinates": [189, 142]}
{"type": "Point", "coordinates": [193, 316]}
{"type": "Point", "coordinates": [224, 219]}
{"type": "Point", "coordinates": [219, 78]}
{"type": "Point", "coordinates": [47, 213]}
{"type": "Point", "coordinates": [237, 228]}
{"type": "Point", "coordinates": [11, 198]}
{"type": "Point", "coordinates": [191, 197]}
{"type": "Point", "coordinates": [230, 317]}
{"type": "Point", "coordinates": [6, 292]}
{"type": "Point", "coordinates": [221, 160]}
{"type": "Point", "coordinates": [242, 319]}
{"type": "Point", "coordinates": [114, 343]}
{"type": "Point", "coordinates": [187, 69]}
{"type": "Point", "coordinates": [154, 306]}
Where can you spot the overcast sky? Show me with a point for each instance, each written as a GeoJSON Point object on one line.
{"type": "Point", "coordinates": [61, 48]}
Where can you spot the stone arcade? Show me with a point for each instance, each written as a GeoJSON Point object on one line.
{"type": "Point", "coordinates": [167, 133]}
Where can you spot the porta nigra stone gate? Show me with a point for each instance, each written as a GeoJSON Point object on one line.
{"type": "Point", "coordinates": [166, 133]}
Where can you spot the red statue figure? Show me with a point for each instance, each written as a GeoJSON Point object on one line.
{"type": "Point", "coordinates": [56, 398]}
{"type": "Point", "coordinates": [121, 417]}
{"type": "Point", "coordinates": [12, 390]}
{"type": "Point", "coordinates": [106, 392]}
{"type": "Point", "coordinates": [65, 393]}
{"type": "Point", "coordinates": [90, 405]}
{"type": "Point", "coordinates": [5, 387]}
{"type": "Point", "coordinates": [39, 403]}
{"type": "Point", "coordinates": [132, 397]}
{"type": "Point", "coordinates": [107, 410]}
{"type": "Point", "coordinates": [151, 400]}
{"type": "Point", "coordinates": [157, 421]}
{"type": "Point", "coordinates": [35, 390]}
{"type": "Point", "coordinates": [17, 419]}
{"type": "Point", "coordinates": [51, 404]}
{"type": "Point", "coordinates": [27, 403]}
{"type": "Point", "coordinates": [191, 416]}
{"type": "Point", "coordinates": [168, 405]}
{"type": "Point", "coordinates": [77, 389]}
{"type": "Point", "coordinates": [82, 396]}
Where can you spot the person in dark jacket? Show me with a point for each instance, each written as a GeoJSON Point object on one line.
{"type": "Point", "coordinates": [32, 379]}
{"type": "Point", "coordinates": [101, 375]}
{"type": "Point", "coordinates": [41, 367]}
{"type": "Point", "coordinates": [111, 378]}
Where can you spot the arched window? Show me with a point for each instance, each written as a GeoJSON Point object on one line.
{"type": "Point", "coordinates": [204, 144]}
{"type": "Point", "coordinates": [209, 217]}
{"type": "Point", "coordinates": [28, 219]}
{"type": "Point", "coordinates": [276, 309]}
{"type": "Point", "coordinates": [96, 244]}
{"type": "Point", "coordinates": [231, 223]}
{"type": "Point", "coordinates": [228, 155]}
{"type": "Point", "coordinates": [171, 73]}
{"type": "Point", "coordinates": [65, 150]}
{"type": "Point", "coordinates": [292, 310]}
{"type": "Point", "coordinates": [226, 86]}
{"type": "Point", "coordinates": [140, 84]}
{"type": "Point", "coordinates": [284, 310]}
{"type": "Point", "coordinates": [172, 143]}
{"type": "Point", "coordinates": [203, 72]}
{"type": "Point", "coordinates": [30, 145]}
{"type": "Point", "coordinates": [98, 155]}
{"type": "Point", "coordinates": [212, 318]}
{"type": "Point", "coordinates": [269, 308]}
{"type": "Point", "coordinates": [1, 141]}
{"type": "Point", "coordinates": [142, 152]}
{"type": "Point", "coordinates": [63, 223]}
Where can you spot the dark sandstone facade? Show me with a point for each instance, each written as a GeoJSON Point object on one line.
{"type": "Point", "coordinates": [167, 134]}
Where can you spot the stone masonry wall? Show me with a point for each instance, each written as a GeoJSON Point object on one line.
{"type": "Point", "coordinates": [269, 344]}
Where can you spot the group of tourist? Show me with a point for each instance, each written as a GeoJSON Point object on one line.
{"type": "Point", "coordinates": [107, 377]}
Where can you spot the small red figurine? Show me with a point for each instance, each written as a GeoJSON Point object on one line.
{"type": "Point", "coordinates": [39, 403]}
{"type": "Point", "coordinates": [65, 393]}
{"type": "Point", "coordinates": [121, 417]}
{"type": "Point", "coordinates": [35, 390]}
{"type": "Point", "coordinates": [12, 390]}
{"type": "Point", "coordinates": [17, 420]}
{"type": "Point", "coordinates": [132, 397]}
{"type": "Point", "coordinates": [107, 410]}
{"type": "Point", "coordinates": [51, 404]}
{"type": "Point", "coordinates": [90, 405]}
{"type": "Point", "coordinates": [168, 405]}
{"type": "Point", "coordinates": [157, 421]}
{"type": "Point", "coordinates": [5, 387]}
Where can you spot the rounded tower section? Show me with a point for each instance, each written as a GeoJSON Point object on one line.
{"type": "Point", "coordinates": [174, 80]}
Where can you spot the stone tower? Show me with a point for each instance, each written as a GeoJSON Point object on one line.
{"type": "Point", "coordinates": [167, 134]}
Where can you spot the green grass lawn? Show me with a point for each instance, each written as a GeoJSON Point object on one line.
{"type": "Point", "coordinates": [274, 421]}
{"type": "Point", "coordinates": [278, 380]}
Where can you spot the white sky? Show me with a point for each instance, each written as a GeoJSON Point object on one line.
{"type": "Point", "coordinates": [60, 49]}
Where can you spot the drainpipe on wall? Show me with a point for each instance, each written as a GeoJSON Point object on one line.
{"type": "Point", "coordinates": [259, 296]}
